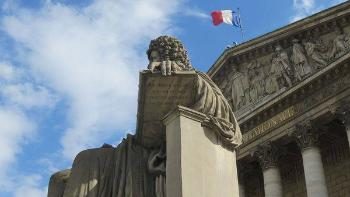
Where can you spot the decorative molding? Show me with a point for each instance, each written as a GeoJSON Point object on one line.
{"type": "Point", "coordinates": [305, 135]}
{"type": "Point", "coordinates": [343, 114]}
{"type": "Point", "coordinates": [267, 155]}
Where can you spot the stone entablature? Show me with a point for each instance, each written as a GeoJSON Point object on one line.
{"type": "Point", "coordinates": [277, 77]}
{"type": "Point", "coordinates": [297, 101]}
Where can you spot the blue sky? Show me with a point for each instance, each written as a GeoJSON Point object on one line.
{"type": "Point", "coordinates": [69, 70]}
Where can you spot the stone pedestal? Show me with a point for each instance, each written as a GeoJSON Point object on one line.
{"type": "Point", "coordinates": [198, 165]}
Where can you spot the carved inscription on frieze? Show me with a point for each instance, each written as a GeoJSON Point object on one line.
{"type": "Point", "coordinates": [271, 123]}
{"type": "Point", "coordinates": [160, 94]}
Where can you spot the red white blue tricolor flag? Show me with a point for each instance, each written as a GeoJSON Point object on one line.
{"type": "Point", "coordinates": [226, 16]}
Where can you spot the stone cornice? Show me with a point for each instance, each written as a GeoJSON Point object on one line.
{"type": "Point", "coordinates": [186, 112]}
{"type": "Point", "coordinates": [282, 36]}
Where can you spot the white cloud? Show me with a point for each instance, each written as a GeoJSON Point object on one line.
{"type": "Point", "coordinates": [195, 12]}
{"type": "Point", "coordinates": [7, 72]}
{"type": "Point", "coordinates": [27, 96]}
{"type": "Point", "coordinates": [15, 128]}
{"type": "Point", "coordinates": [91, 58]}
{"type": "Point", "coordinates": [29, 187]}
{"type": "Point", "coordinates": [18, 93]}
{"type": "Point", "coordinates": [304, 8]}
{"type": "Point", "coordinates": [9, 5]}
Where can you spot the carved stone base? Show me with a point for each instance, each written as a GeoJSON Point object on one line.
{"type": "Point", "coordinates": [198, 164]}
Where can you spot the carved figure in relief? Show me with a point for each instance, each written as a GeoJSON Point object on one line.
{"type": "Point", "coordinates": [301, 64]}
{"type": "Point", "coordinates": [157, 167]}
{"type": "Point", "coordinates": [256, 81]}
{"type": "Point", "coordinates": [271, 85]}
{"type": "Point", "coordinates": [261, 79]}
{"type": "Point", "coordinates": [280, 68]}
{"type": "Point", "coordinates": [340, 43]}
{"type": "Point", "coordinates": [239, 87]}
{"type": "Point", "coordinates": [314, 50]}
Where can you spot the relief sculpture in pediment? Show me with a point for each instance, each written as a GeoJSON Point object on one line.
{"type": "Point", "coordinates": [239, 88]}
{"type": "Point", "coordinates": [281, 68]}
{"type": "Point", "coordinates": [256, 78]}
{"type": "Point", "coordinates": [341, 43]}
{"type": "Point", "coordinates": [302, 67]}
{"type": "Point", "coordinates": [315, 50]}
{"type": "Point", "coordinates": [251, 81]}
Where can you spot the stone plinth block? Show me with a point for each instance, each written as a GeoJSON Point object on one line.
{"type": "Point", "coordinates": [157, 96]}
{"type": "Point", "coordinates": [198, 165]}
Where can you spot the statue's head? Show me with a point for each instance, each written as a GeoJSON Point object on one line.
{"type": "Point", "coordinates": [167, 48]}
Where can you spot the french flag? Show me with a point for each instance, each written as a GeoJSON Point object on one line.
{"type": "Point", "coordinates": [225, 16]}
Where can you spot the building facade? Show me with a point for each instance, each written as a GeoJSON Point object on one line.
{"type": "Point", "coordinates": [290, 90]}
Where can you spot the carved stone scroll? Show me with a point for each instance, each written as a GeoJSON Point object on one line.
{"type": "Point", "coordinates": [305, 135]}
{"type": "Point", "coordinates": [267, 155]}
{"type": "Point", "coordinates": [343, 114]}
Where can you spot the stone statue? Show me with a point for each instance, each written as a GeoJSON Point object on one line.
{"type": "Point", "coordinates": [271, 85]}
{"type": "Point", "coordinates": [301, 65]}
{"type": "Point", "coordinates": [239, 87]}
{"type": "Point", "coordinates": [133, 169]}
{"type": "Point", "coordinates": [315, 53]}
{"type": "Point", "coordinates": [256, 81]}
{"type": "Point", "coordinates": [166, 58]}
{"type": "Point", "coordinates": [58, 183]}
{"type": "Point", "coordinates": [280, 68]}
{"type": "Point", "coordinates": [340, 43]}
{"type": "Point", "coordinates": [156, 165]}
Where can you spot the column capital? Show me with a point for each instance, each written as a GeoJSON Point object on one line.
{"type": "Point", "coordinates": [343, 114]}
{"type": "Point", "coordinates": [267, 155]}
{"type": "Point", "coordinates": [305, 135]}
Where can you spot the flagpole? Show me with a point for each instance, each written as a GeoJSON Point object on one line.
{"type": "Point", "coordinates": [240, 26]}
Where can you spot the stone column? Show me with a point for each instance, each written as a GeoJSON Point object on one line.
{"type": "Point", "coordinates": [343, 114]}
{"type": "Point", "coordinates": [268, 155]}
{"type": "Point", "coordinates": [315, 179]}
{"type": "Point", "coordinates": [198, 164]}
